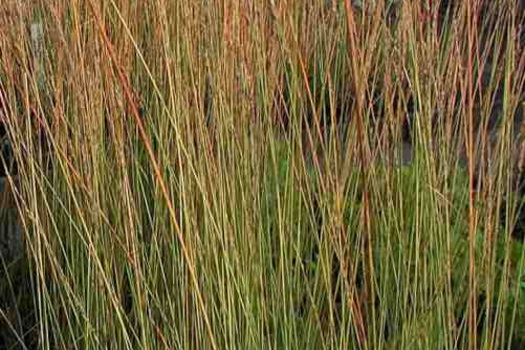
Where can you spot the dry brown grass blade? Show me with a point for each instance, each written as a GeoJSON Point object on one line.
{"type": "Point", "coordinates": [364, 153]}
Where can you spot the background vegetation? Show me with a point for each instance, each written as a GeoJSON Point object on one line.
{"type": "Point", "coordinates": [271, 174]}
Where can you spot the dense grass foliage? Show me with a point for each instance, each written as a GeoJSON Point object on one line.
{"type": "Point", "coordinates": [272, 174]}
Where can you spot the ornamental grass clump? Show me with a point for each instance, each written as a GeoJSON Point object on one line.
{"type": "Point", "coordinates": [267, 175]}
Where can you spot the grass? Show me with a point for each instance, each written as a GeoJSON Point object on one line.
{"type": "Point", "coordinates": [196, 175]}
